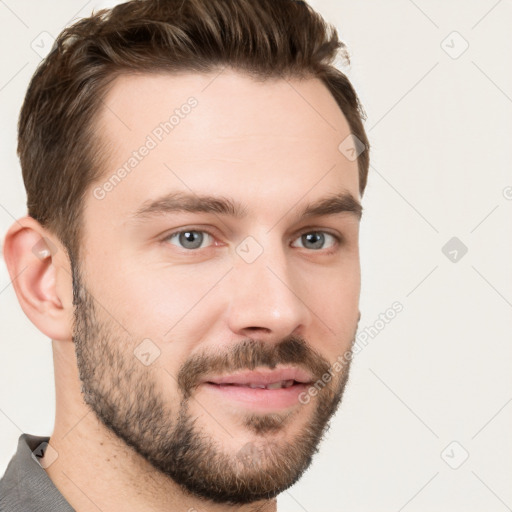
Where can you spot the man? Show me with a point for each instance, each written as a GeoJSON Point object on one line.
{"type": "Point", "coordinates": [194, 171]}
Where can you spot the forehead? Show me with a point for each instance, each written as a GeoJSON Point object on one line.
{"type": "Point", "coordinates": [273, 140]}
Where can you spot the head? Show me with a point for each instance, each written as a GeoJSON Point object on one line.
{"type": "Point", "coordinates": [194, 160]}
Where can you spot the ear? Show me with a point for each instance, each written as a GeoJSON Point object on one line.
{"type": "Point", "coordinates": [40, 273]}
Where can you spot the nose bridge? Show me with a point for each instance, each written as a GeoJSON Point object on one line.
{"type": "Point", "coordinates": [263, 292]}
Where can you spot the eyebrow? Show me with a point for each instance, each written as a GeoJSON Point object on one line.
{"type": "Point", "coordinates": [176, 202]}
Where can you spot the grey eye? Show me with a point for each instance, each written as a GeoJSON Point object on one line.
{"type": "Point", "coordinates": [189, 239]}
{"type": "Point", "coordinates": [315, 240]}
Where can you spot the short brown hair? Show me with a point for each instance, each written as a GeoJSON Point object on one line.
{"type": "Point", "coordinates": [60, 157]}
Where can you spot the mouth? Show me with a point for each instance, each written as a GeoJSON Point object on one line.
{"type": "Point", "coordinates": [266, 390]}
{"type": "Point", "coordinates": [253, 385]}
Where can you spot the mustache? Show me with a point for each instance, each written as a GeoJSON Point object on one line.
{"type": "Point", "coordinates": [248, 355]}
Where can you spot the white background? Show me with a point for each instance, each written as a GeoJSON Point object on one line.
{"type": "Point", "coordinates": [441, 134]}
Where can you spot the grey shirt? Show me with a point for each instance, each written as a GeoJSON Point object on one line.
{"type": "Point", "coordinates": [25, 486]}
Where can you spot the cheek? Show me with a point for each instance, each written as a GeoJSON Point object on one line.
{"type": "Point", "coordinates": [159, 301]}
{"type": "Point", "coordinates": [336, 302]}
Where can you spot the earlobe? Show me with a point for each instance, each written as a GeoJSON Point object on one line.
{"type": "Point", "coordinates": [40, 275]}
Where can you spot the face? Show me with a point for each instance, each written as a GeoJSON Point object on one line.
{"type": "Point", "coordinates": [219, 277]}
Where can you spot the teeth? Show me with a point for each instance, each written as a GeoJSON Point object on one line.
{"type": "Point", "coordinates": [274, 385]}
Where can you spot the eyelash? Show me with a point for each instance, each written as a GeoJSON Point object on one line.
{"type": "Point", "coordinates": [338, 239]}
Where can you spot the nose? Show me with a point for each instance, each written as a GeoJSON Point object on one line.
{"type": "Point", "coordinates": [266, 301]}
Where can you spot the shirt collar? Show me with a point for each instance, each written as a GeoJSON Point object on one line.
{"type": "Point", "coordinates": [26, 485]}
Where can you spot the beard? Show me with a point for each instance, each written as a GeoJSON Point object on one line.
{"type": "Point", "coordinates": [128, 400]}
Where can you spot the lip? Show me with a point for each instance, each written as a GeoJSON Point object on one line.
{"type": "Point", "coordinates": [234, 388]}
{"type": "Point", "coordinates": [260, 399]}
{"type": "Point", "coordinates": [263, 376]}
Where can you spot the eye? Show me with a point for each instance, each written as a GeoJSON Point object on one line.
{"type": "Point", "coordinates": [316, 240]}
{"type": "Point", "coordinates": [194, 239]}
{"type": "Point", "coordinates": [189, 239]}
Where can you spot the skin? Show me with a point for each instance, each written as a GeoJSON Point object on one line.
{"type": "Point", "coordinates": [275, 149]}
